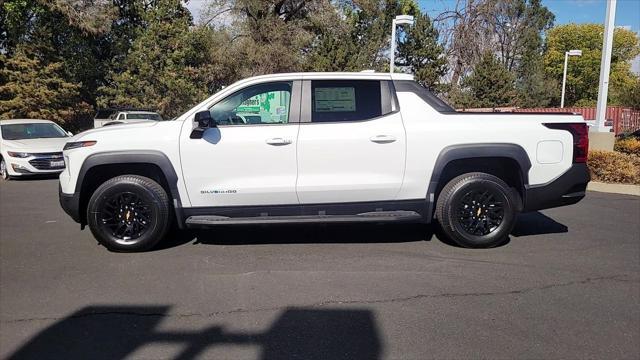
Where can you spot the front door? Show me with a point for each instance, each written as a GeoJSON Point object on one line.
{"type": "Point", "coordinates": [351, 145]}
{"type": "Point", "coordinates": [249, 158]}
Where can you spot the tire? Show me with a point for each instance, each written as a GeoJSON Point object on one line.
{"type": "Point", "coordinates": [129, 213]}
{"type": "Point", "coordinates": [477, 210]}
{"type": "Point", "coordinates": [4, 172]}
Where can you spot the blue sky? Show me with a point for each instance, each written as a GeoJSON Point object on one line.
{"type": "Point", "coordinates": [567, 11]}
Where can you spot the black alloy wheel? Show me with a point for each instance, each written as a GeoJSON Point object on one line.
{"type": "Point", "coordinates": [477, 210]}
{"type": "Point", "coordinates": [126, 216]}
{"type": "Point", "coordinates": [480, 212]}
{"type": "Point", "coordinates": [129, 213]}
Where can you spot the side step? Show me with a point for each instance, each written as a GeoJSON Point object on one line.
{"type": "Point", "coordinates": [376, 216]}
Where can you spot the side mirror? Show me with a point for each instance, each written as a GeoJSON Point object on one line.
{"type": "Point", "coordinates": [69, 133]}
{"type": "Point", "coordinates": [203, 121]}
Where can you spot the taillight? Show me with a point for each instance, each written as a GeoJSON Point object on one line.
{"type": "Point", "coordinates": [580, 133]}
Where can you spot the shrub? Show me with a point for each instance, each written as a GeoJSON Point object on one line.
{"type": "Point", "coordinates": [614, 167]}
{"type": "Point", "coordinates": [629, 145]}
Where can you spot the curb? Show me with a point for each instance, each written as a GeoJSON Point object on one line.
{"type": "Point", "coordinates": [626, 189]}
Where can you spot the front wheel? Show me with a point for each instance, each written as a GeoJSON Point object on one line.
{"type": "Point", "coordinates": [4, 173]}
{"type": "Point", "coordinates": [129, 213]}
{"type": "Point", "coordinates": [477, 210]}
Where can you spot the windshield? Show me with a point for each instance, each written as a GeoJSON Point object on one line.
{"type": "Point", "coordinates": [32, 131]}
{"type": "Point", "coordinates": [155, 117]}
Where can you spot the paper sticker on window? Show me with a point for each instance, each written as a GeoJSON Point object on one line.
{"type": "Point", "coordinates": [335, 99]}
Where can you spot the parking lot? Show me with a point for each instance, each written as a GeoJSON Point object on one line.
{"type": "Point", "coordinates": [565, 286]}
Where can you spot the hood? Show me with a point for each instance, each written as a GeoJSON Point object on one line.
{"type": "Point", "coordinates": [40, 145]}
{"type": "Point", "coordinates": [118, 127]}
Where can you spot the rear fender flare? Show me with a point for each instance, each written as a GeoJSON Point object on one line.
{"type": "Point", "coordinates": [470, 151]}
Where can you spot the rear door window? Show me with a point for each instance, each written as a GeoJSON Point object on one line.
{"type": "Point", "coordinates": [347, 100]}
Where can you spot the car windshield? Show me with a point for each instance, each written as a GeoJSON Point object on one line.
{"type": "Point", "coordinates": [155, 117]}
{"type": "Point", "coordinates": [31, 131]}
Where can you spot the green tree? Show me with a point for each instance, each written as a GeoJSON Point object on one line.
{"type": "Point", "coordinates": [355, 35]}
{"type": "Point", "coordinates": [167, 64]}
{"type": "Point", "coordinates": [533, 86]}
{"type": "Point", "coordinates": [423, 55]}
{"type": "Point", "coordinates": [31, 89]}
{"type": "Point", "coordinates": [583, 72]}
{"type": "Point", "coordinates": [80, 37]}
{"type": "Point", "coordinates": [630, 95]}
{"type": "Point", "coordinates": [490, 84]}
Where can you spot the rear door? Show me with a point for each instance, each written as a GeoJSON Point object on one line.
{"type": "Point", "coordinates": [351, 143]}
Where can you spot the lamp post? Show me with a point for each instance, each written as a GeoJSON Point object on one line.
{"type": "Point", "coordinates": [564, 76]}
{"type": "Point", "coordinates": [398, 20]}
{"type": "Point", "coordinates": [605, 66]}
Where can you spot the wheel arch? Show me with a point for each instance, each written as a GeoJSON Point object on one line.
{"type": "Point", "coordinates": [100, 167]}
{"type": "Point", "coordinates": [509, 162]}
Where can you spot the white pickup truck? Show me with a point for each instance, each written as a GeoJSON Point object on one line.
{"type": "Point", "coordinates": [107, 117]}
{"type": "Point", "coordinates": [323, 147]}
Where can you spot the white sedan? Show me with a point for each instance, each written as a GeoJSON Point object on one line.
{"type": "Point", "coordinates": [31, 147]}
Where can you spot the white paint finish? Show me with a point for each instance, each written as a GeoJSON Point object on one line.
{"type": "Point", "coordinates": [161, 136]}
{"type": "Point", "coordinates": [549, 152]}
{"type": "Point", "coordinates": [240, 162]}
{"type": "Point", "coordinates": [326, 162]}
{"type": "Point", "coordinates": [429, 132]}
{"type": "Point", "coordinates": [339, 162]}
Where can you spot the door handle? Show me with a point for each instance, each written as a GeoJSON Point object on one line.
{"type": "Point", "coordinates": [383, 139]}
{"type": "Point", "coordinates": [278, 141]}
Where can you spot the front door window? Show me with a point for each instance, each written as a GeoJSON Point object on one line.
{"type": "Point", "coordinates": [261, 104]}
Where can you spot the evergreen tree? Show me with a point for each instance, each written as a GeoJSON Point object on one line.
{"type": "Point", "coordinates": [166, 68]}
{"type": "Point", "coordinates": [534, 88]}
{"type": "Point", "coordinates": [422, 54]}
{"type": "Point", "coordinates": [490, 83]}
{"type": "Point", "coordinates": [31, 89]}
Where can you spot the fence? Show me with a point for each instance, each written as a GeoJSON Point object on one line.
{"type": "Point", "coordinates": [623, 120]}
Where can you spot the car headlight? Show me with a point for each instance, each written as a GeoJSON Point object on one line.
{"type": "Point", "coordinates": [18, 154]}
{"type": "Point", "coordinates": [78, 144]}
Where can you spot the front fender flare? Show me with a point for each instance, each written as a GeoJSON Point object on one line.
{"type": "Point", "coordinates": [137, 157]}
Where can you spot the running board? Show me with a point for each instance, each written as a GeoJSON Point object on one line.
{"type": "Point", "coordinates": [376, 216]}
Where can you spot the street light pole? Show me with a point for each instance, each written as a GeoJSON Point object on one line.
{"type": "Point", "coordinates": [564, 75]}
{"type": "Point", "coordinates": [605, 66]}
{"type": "Point", "coordinates": [393, 45]}
{"type": "Point", "coordinates": [398, 20]}
{"type": "Point", "coordinates": [564, 78]}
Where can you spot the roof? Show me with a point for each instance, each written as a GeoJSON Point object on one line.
{"type": "Point", "coordinates": [25, 121]}
{"type": "Point", "coordinates": [366, 74]}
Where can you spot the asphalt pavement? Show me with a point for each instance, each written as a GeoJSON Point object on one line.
{"type": "Point", "coordinates": [566, 285]}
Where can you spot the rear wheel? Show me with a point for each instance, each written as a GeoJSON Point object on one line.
{"type": "Point", "coordinates": [477, 210]}
{"type": "Point", "coordinates": [129, 213]}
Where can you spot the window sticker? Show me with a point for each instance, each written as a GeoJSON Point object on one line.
{"type": "Point", "coordinates": [335, 99]}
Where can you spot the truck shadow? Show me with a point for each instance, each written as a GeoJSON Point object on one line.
{"type": "Point", "coordinates": [529, 224]}
{"type": "Point", "coordinates": [117, 332]}
{"type": "Point", "coordinates": [537, 223]}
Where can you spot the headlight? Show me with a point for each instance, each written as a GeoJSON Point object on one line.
{"type": "Point", "coordinates": [18, 154]}
{"type": "Point", "coordinates": [78, 144]}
